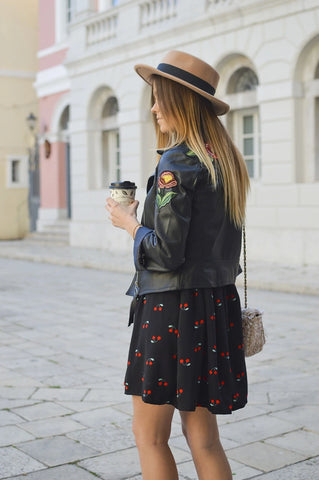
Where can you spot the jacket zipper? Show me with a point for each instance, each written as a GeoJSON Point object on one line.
{"type": "Point", "coordinates": [136, 286]}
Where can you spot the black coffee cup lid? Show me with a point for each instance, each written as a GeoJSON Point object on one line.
{"type": "Point", "coordinates": [123, 185]}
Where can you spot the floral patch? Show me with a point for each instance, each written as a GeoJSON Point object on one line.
{"type": "Point", "coordinates": [212, 155]}
{"type": "Point", "coordinates": [209, 151]}
{"type": "Point", "coordinates": [190, 153]}
{"type": "Point", "coordinates": [164, 199]}
{"type": "Point", "coordinates": [166, 180]}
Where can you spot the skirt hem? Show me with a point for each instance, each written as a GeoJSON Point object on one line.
{"type": "Point", "coordinates": [217, 410]}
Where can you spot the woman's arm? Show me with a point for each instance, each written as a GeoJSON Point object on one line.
{"type": "Point", "coordinates": [123, 216]}
{"type": "Point", "coordinates": [163, 248]}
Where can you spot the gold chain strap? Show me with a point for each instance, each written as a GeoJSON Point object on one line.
{"type": "Point", "coordinates": [245, 265]}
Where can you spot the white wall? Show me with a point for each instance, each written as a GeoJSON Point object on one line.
{"type": "Point", "coordinates": [283, 209]}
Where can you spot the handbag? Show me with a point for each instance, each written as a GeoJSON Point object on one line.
{"type": "Point", "coordinates": [253, 329]}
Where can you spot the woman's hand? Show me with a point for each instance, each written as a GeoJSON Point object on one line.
{"type": "Point", "coordinates": [122, 216]}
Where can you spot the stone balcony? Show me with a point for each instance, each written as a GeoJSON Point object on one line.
{"type": "Point", "coordinates": [116, 23]}
{"type": "Point", "coordinates": [136, 20]}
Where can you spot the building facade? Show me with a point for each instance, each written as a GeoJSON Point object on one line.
{"type": "Point", "coordinates": [18, 67]}
{"type": "Point", "coordinates": [53, 89]}
{"type": "Point", "coordinates": [96, 110]}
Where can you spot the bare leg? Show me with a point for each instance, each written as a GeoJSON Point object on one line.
{"type": "Point", "coordinates": [152, 428]}
{"type": "Point", "coordinates": [201, 432]}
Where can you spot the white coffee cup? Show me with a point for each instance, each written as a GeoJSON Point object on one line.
{"type": "Point", "coordinates": [123, 192]}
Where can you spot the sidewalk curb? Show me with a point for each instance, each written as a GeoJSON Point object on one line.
{"type": "Point", "coordinates": [111, 267]}
{"type": "Point", "coordinates": [269, 277]}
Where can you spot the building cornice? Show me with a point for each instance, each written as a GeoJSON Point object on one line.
{"type": "Point", "coordinates": [17, 74]}
{"type": "Point", "coordinates": [54, 49]}
{"type": "Point", "coordinates": [52, 80]}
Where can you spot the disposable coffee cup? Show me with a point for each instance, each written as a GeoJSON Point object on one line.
{"type": "Point", "coordinates": [123, 192]}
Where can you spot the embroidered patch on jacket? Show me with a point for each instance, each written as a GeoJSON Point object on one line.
{"type": "Point", "coordinates": [212, 155]}
{"type": "Point", "coordinates": [209, 151]}
{"type": "Point", "coordinates": [190, 153]}
{"type": "Point", "coordinates": [166, 180]}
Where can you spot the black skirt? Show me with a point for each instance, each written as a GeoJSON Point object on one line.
{"type": "Point", "coordinates": [187, 350]}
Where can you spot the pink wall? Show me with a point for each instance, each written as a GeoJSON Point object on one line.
{"type": "Point", "coordinates": [52, 169]}
{"type": "Point", "coordinates": [47, 107]}
{"type": "Point", "coordinates": [52, 60]}
{"type": "Point", "coordinates": [46, 23]}
{"type": "Point", "coordinates": [53, 177]}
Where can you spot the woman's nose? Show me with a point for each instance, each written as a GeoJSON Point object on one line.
{"type": "Point", "coordinates": [154, 108]}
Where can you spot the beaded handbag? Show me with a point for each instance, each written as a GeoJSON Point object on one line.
{"type": "Point", "coordinates": [253, 329]}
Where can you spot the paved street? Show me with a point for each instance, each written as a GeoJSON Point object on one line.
{"type": "Point", "coordinates": [261, 275]}
{"type": "Point", "coordinates": [63, 414]}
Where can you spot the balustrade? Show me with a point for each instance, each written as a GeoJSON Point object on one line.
{"type": "Point", "coordinates": [101, 29]}
{"type": "Point", "coordinates": [156, 11]}
{"type": "Point", "coordinates": [217, 3]}
{"type": "Point", "coordinates": [104, 26]}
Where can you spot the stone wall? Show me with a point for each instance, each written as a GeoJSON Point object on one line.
{"type": "Point", "coordinates": [278, 41]}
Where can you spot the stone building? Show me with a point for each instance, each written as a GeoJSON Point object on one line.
{"type": "Point", "coordinates": [96, 109]}
{"type": "Point", "coordinates": [18, 66]}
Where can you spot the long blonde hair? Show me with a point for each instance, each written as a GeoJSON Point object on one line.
{"type": "Point", "coordinates": [195, 123]}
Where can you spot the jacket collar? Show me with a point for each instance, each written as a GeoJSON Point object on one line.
{"type": "Point", "coordinates": [182, 146]}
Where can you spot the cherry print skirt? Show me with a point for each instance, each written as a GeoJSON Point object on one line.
{"type": "Point", "coordinates": [187, 350]}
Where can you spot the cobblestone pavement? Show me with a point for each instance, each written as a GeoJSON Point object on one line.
{"type": "Point", "coordinates": [63, 414]}
{"type": "Point", "coordinates": [279, 278]}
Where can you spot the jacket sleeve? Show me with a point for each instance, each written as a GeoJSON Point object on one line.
{"type": "Point", "coordinates": [163, 249]}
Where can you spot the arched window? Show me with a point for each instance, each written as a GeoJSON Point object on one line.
{"type": "Point", "coordinates": [111, 141]}
{"type": "Point", "coordinates": [64, 136]}
{"type": "Point", "coordinates": [104, 165]}
{"type": "Point", "coordinates": [244, 118]}
{"type": "Point", "coordinates": [307, 113]}
{"type": "Point", "coordinates": [64, 122]}
{"type": "Point", "coordinates": [243, 80]}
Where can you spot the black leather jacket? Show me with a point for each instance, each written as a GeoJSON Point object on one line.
{"type": "Point", "coordinates": [186, 240]}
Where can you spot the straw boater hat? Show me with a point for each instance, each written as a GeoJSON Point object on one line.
{"type": "Point", "coordinates": [189, 71]}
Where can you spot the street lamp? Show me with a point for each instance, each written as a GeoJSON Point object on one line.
{"type": "Point", "coordinates": [31, 121]}
{"type": "Point", "coordinates": [34, 181]}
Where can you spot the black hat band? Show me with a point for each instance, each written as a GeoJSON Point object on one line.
{"type": "Point", "coordinates": [187, 77]}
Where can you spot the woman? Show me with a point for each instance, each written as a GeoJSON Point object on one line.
{"type": "Point", "coordinates": [186, 350]}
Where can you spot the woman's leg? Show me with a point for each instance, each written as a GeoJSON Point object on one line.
{"type": "Point", "coordinates": [201, 432]}
{"type": "Point", "coordinates": [152, 428]}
